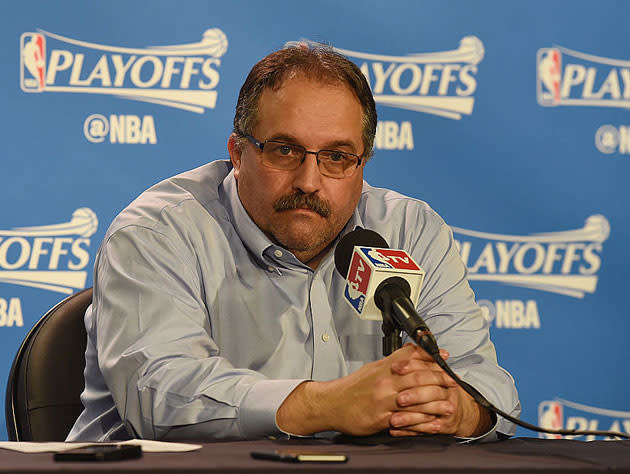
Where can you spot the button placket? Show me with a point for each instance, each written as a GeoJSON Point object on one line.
{"type": "Point", "coordinates": [328, 360]}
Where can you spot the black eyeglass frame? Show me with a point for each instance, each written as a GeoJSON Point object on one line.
{"type": "Point", "coordinates": [261, 146]}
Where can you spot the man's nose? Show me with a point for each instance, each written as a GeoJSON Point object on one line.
{"type": "Point", "coordinates": [307, 176]}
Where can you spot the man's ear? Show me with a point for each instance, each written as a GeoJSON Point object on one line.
{"type": "Point", "coordinates": [234, 149]}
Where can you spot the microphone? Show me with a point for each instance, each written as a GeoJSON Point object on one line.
{"type": "Point", "coordinates": [383, 282]}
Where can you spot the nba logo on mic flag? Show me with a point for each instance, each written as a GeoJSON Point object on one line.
{"type": "Point", "coordinates": [390, 258]}
{"type": "Point", "coordinates": [32, 62]}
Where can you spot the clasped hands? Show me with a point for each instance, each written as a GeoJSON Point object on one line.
{"type": "Point", "coordinates": [406, 393]}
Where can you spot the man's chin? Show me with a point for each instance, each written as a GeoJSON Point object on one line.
{"type": "Point", "coordinates": [303, 245]}
{"type": "Point", "coordinates": [300, 239]}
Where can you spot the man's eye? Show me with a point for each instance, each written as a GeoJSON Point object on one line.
{"type": "Point", "coordinates": [285, 150]}
{"type": "Point", "coordinates": [282, 150]}
{"type": "Point", "coordinates": [337, 156]}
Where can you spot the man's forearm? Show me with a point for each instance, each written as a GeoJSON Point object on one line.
{"type": "Point", "coordinates": [476, 420]}
{"type": "Point", "coordinates": [304, 412]}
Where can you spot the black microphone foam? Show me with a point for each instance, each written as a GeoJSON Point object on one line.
{"type": "Point", "coordinates": [345, 247]}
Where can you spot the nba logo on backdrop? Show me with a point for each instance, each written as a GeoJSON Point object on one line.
{"type": "Point", "coordinates": [549, 75]}
{"type": "Point", "coordinates": [33, 61]}
{"type": "Point", "coordinates": [550, 416]}
{"type": "Point", "coordinates": [567, 77]}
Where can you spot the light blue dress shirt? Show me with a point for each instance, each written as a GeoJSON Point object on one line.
{"type": "Point", "coordinates": [200, 327]}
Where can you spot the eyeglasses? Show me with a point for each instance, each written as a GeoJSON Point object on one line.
{"type": "Point", "coordinates": [287, 156]}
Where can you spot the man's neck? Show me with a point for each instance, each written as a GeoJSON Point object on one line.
{"type": "Point", "coordinates": [314, 260]}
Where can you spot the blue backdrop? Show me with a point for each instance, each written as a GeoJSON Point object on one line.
{"type": "Point", "coordinates": [510, 118]}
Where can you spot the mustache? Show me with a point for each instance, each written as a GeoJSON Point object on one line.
{"type": "Point", "coordinates": [301, 200]}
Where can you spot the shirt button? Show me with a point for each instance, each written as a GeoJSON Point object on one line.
{"type": "Point", "coordinates": [325, 337]}
{"type": "Point", "coordinates": [270, 268]}
{"type": "Point", "coordinates": [277, 253]}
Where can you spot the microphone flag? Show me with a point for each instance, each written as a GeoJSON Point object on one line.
{"type": "Point", "coordinates": [368, 268]}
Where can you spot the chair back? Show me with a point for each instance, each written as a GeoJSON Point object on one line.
{"type": "Point", "coordinates": [46, 379]}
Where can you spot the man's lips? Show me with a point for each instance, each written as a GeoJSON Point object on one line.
{"type": "Point", "coordinates": [302, 210]}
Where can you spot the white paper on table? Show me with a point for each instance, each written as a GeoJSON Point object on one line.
{"type": "Point", "coordinates": [148, 446]}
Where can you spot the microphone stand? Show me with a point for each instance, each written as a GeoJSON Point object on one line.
{"type": "Point", "coordinates": [392, 332]}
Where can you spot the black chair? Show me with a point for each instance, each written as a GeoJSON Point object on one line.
{"type": "Point", "coordinates": [46, 379]}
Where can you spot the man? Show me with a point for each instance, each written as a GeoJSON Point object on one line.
{"type": "Point", "coordinates": [217, 311]}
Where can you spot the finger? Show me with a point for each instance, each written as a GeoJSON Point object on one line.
{"type": "Point", "coordinates": [405, 425]}
{"type": "Point", "coordinates": [402, 419]}
{"type": "Point", "coordinates": [443, 408]}
{"type": "Point", "coordinates": [417, 374]}
{"type": "Point", "coordinates": [420, 353]}
{"type": "Point", "coordinates": [417, 399]}
{"type": "Point", "coordinates": [400, 433]}
{"type": "Point", "coordinates": [433, 427]}
{"type": "Point", "coordinates": [406, 352]}
{"type": "Point", "coordinates": [410, 350]}
{"type": "Point", "coordinates": [436, 425]}
{"type": "Point", "coordinates": [404, 367]}
{"type": "Point", "coordinates": [416, 355]}
{"type": "Point", "coordinates": [444, 354]}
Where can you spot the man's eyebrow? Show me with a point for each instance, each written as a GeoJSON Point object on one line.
{"type": "Point", "coordinates": [340, 144]}
{"type": "Point", "coordinates": [284, 137]}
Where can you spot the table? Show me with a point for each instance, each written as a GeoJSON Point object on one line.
{"type": "Point", "coordinates": [432, 454]}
